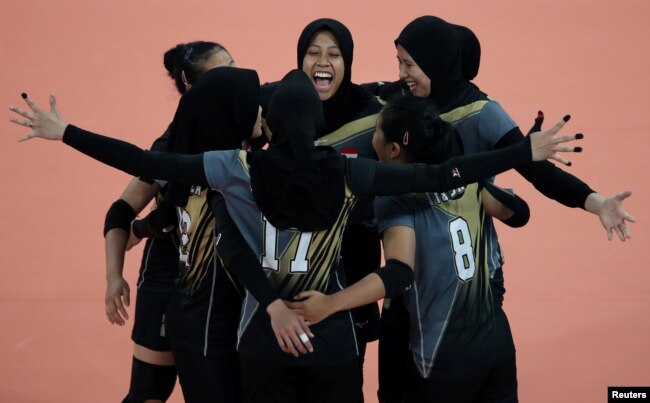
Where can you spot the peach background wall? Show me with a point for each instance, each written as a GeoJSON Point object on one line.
{"type": "Point", "coordinates": [578, 304]}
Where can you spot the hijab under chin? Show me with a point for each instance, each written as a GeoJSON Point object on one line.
{"type": "Point", "coordinates": [349, 99]}
{"type": "Point", "coordinates": [217, 113]}
{"type": "Point", "coordinates": [438, 48]}
{"type": "Point", "coordinates": [295, 184]}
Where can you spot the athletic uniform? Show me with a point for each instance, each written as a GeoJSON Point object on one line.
{"type": "Point", "coordinates": [156, 282]}
{"type": "Point", "coordinates": [450, 61]}
{"type": "Point", "coordinates": [350, 116]}
{"type": "Point", "coordinates": [204, 312]}
{"type": "Point", "coordinates": [204, 309]}
{"type": "Point", "coordinates": [458, 332]}
{"type": "Point", "coordinates": [296, 261]}
{"type": "Point", "coordinates": [155, 285]}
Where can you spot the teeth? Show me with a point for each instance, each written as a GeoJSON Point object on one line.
{"type": "Point", "coordinates": [411, 84]}
{"type": "Point", "coordinates": [322, 74]}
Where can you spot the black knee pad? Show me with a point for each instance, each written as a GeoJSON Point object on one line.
{"type": "Point", "coordinates": [150, 382]}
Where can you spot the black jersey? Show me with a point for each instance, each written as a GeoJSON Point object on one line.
{"type": "Point", "coordinates": [208, 300]}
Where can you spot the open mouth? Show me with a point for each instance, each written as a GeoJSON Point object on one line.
{"type": "Point", "coordinates": [322, 80]}
{"type": "Point", "coordinates": [412, 85]}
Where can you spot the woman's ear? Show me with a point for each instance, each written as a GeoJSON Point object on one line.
{"type": "Point", "coordinates": [395, 150]}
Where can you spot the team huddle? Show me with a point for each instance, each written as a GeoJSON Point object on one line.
{"type": "Point", "coordinates": [262, 265]}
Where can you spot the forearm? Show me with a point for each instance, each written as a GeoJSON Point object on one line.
{"type": "Point", "coordinates": [115, 249]}
{"type": "Point", "coordinates": [505, 206]}
{"type": "Point", "coordinates": [594, 202]}
{"type": "Point", "coordinates": [185, 169]}
{"type": "Point", "coordinates": [159, 223]}
{"type": "Point", "coordinates": [139, 193]}
{"type": "Point", "coordinates": [239, 257]}
{"type": "Point", "coordinates": [548, 179]}
{"type": "Point", "coordinates": [395, 179]}
{"type": "Point", "coordinates": [365, 291]}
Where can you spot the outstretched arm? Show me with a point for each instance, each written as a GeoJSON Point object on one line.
{"type": "Point", "coordinates": [611, 212]}
{"type": "Point", "coordinates": [186, 169]}
{"type": "Point", "coordinates": [570, 191]}
{"type": "Point", "coordinates": [368, 178]}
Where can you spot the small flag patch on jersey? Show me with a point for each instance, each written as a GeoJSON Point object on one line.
{"type": "Point", "coordinates": [350, 152]}
{"type": "Point", "coordinates": [455, 173]}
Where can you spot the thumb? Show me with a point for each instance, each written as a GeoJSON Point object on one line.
{"type": "Point", "coordinates": [53, 105]}
{"type": "Point", "coordinates": [537, 126]}
{"type": "Point", "coordinates": [304, 295]}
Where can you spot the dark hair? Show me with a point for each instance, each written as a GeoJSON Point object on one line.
{"type": "Point", "coordinates": [415, 124]}
{"type": "Point", "coordinates": [189, 58]}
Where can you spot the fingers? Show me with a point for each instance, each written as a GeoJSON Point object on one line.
{"type": "Point", "coordinates": [126, 296]}
{"type": "Point", "coordinates": [22, 112]}
{"type": "Point", "coordinates": [290, 346]}
{"type": "Point", "coordinates": [559, 158]}
{"type": "Point", "coordinates": [30, 103]}
{"type": "Point", "coordinates": [113, 311]}
{"type": "Point", "coordinates": [623, 195]}
{"type": "Point", "coordinates": [627, 231]}
{"type": "Point", "coordinates": [53, 107]}
{"type": "Point", "coordinates": [559, 125]}
{"type": "Point", "coordinates": [297, 340]}
{"type": "Point", "coordinates": [120, 308]}
{"type": "Point", "coordinates": [620, 233]}
{"type": "Point", "coordinates": [286, 345]}
{"type": "Point", "coordinates": [26, 137]}
{"type": "Point", "coordinates": [305, 328]}
{"type": "Point", "coordinates": [304, 295]}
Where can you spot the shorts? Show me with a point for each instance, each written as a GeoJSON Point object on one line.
{"type": "Point", "coordinates": [393, 351]}
{"type": "Point", "coordinates": [268, 382]}
{"type": "Point", "coordinates": [496, 383]}
{"type": "Point", "coordinates": [149, 319]}
{"type": "Point", "coordinates": [207, 378]}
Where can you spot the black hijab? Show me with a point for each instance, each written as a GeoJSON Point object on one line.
{"type": "Point", "coordinates": [296, 184]}
{"type": "Point", "coordinates": [470, 51]}
{"type": "Point", "coordinates": [349, 99]}
{"type": "Point", "coordinates": [437, 48]}
{"type": "Point", "coordinates": [217, 113]}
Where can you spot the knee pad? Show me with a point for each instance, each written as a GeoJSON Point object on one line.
{"type": "Point", "coordinates": [150, 382]}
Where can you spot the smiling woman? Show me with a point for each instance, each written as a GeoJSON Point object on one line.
{"type": "Point", "coordinates": [324, 64]}
{"type": "Point", "coordinates": [325, 53]}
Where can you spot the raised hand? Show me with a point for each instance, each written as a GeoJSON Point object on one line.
{"type": "Point", "coordinates": [46, 125]}
{"type": "Point", "coordinates": [546, 145]}
{"type": "Point", "coordinates": [612, 213]}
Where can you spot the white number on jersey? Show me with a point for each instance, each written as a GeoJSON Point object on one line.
{"type": "Point", "coordinates": [461, 242]}
{"type": "Point", "coordinates": [299, 263]}
{"type": "Point", "coordinates": [185, 222]}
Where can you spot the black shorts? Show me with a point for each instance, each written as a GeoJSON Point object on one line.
{"type": "Point", "coordinates": [207, 378]}
{"type": "Point", "coordinates": [266, 382]}
{"type": "Point", "coordinates": [361, 254]}
{"type": "Point", "coordinates": [393, 351]}
{"type": "Point", "coordinates": [149, 319]}
{"type": "Point", "coordinates": [496, 383]}
{"type": "Point", "coordinates": [400, 380]}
